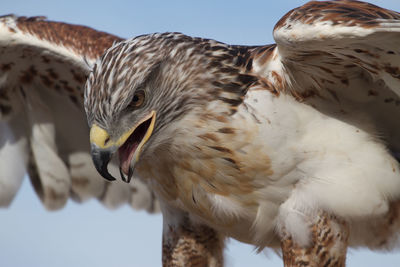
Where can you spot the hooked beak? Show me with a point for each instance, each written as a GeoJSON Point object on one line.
{"type": "Point", "coordinates": [101, 158]}
{"type": "Point", "coordinates": [129, 145]}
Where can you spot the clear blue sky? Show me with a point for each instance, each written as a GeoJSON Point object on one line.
{"type": "Point", "coordinates": [90, 235]}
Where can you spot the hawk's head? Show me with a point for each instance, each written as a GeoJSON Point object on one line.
{"type": "Point", "coordinates": [141, 88]}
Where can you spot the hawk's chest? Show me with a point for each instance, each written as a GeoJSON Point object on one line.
{"type": "Point", "coordinates": [220, 152]}
{"type": "Point", "coordinates": [229, 171]}
{"type": "Point", "coordinates": [218, 163]}
{"type": "Point", "coordinates": [223, 185]}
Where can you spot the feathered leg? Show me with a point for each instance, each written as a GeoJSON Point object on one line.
{"type": "Point", "coordinates": [186, 244]}
{"type": "Point", "coordinates": [328, 248]}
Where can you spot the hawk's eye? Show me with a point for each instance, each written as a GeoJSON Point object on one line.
{"type": "Point", "coordinates": [137, 100]}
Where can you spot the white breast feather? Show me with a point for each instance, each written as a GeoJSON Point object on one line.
{"type": "Point", "coordinates": [334, 164]}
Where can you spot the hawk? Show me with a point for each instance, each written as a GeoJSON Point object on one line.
{"type": "Point", "coordinates": [290, 145]}
{"type": "Point", "coordinates": [43, 68]}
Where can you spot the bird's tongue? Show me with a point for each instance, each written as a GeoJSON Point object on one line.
{"type": "Point", "coordinates": [128, 149]}
{"type": "Point", "coordinates": [126, 153]}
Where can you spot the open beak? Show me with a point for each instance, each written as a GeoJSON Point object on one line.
{"type": "Point", "coordinates": [129, 146]}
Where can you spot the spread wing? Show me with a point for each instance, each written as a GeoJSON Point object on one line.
{"type": "Point", "coordinates": [343, 58]}
{"type": "Point", "coordinates": [43, 67]}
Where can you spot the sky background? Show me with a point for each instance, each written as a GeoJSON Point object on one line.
{"type": "Point", "coordinates": [90, 235]}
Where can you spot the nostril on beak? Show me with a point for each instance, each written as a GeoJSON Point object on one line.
{"type": "Point", "coordinates": [107, 140]}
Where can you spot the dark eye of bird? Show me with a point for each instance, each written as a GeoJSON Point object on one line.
{"type": "Point", "coordinates": [137, 100]}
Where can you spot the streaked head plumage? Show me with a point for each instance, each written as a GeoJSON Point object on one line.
{"type": "Point", "coordinates": [170, 74]}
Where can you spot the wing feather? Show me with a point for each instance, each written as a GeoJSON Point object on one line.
{"type": "Point", "coordinates": [43, 67]}
{"type": "Point", "coordinates": [14, 152]}
{"type": "Point", "coordinates": [343, 58]}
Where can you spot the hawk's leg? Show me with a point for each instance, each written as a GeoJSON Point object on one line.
{"type": "Point", "coordinates": [188, 244]}
{"type": "Point", "coordinates": [328, 248]}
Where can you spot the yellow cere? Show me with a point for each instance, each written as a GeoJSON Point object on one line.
{"type": "Point", "coordinates": [98, 136]}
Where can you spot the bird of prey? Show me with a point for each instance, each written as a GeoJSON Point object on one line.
{"type": "Point", "coordinates": [290, 145]}
{"type": "Point", "coordinates": [43, 130]}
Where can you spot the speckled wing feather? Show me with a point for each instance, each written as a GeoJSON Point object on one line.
{"type": "Point", "coordinates": [43, 67]}
{"type": "Point", "coordinates": [343, 58]}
